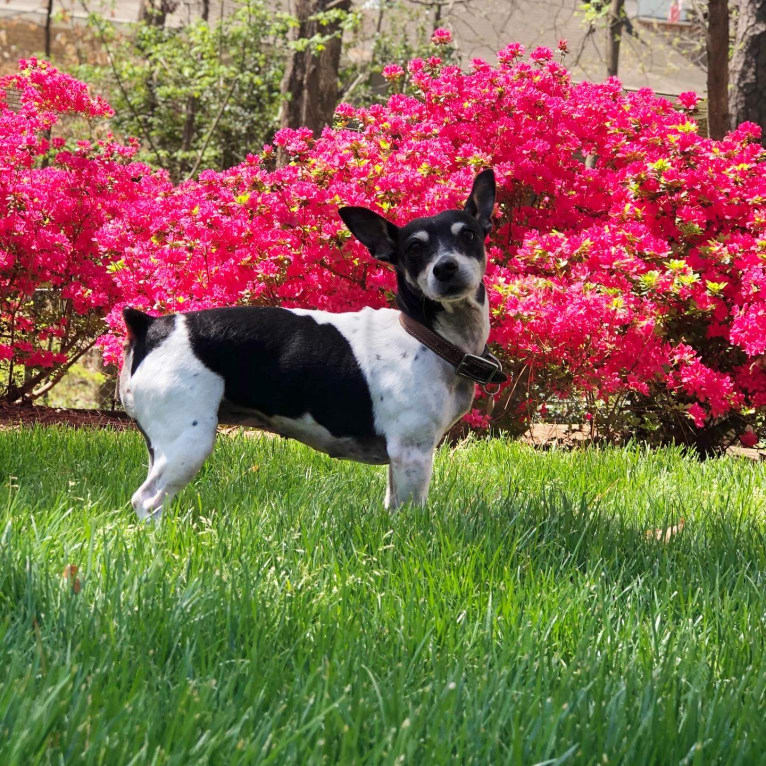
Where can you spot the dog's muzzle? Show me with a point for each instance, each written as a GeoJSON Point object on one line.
{"type": "Point", "coordinates": [449, 281]}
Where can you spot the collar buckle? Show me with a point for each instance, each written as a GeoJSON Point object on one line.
{"type": "Point", "coordinates": [485, 370]}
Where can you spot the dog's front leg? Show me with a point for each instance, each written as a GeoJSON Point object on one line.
{"type": "Point", "coordinates": [409, 474]}
{"type": "Point", "coordinates": [174, 464]}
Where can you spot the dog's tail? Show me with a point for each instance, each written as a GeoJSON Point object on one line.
{"type": "Point", "coordinates": [137, 324]}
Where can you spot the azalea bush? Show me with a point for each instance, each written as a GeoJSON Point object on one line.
{"type": "Point", "coordinates": [55, 280]}
{"type": "Point", "coordinates": [626, 259]}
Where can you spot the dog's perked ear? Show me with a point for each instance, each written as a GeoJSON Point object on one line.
{"type": "Point", "coordinates": [377, 234]}
{"type": "Point", "coordinates": [482, 199]}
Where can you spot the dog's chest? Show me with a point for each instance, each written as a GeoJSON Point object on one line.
{"type": "Point", "coordinates": [413, 392]}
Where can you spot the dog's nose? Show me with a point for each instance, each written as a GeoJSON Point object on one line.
{"type": "Point", "coordinates": [445, 269]}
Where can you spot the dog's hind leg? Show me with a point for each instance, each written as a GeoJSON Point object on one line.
{"type": "Point", "coordinates": [175, 462]}
{"type": "Point", "coordinates": [409, 474]}
{"type": "Point", "coordinates": [174, 398]}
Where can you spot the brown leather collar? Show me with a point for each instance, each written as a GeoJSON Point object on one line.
{"type": "Point", "coordinates": [485, 370]}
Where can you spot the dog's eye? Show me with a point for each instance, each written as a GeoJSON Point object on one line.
{"type": "Point", "coordinates": [416, 247]}
{"type": "Point", "coordinates": [468, 235]}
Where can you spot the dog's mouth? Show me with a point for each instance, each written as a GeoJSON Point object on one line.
{"type": "Point", "coordinates": [454, 291]}
{"type": "Point", "coordinates": [460, 286]}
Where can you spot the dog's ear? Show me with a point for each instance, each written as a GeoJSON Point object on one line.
{"type": "Point", "coordinates": [482, 199]}
{"type": "Point", "coordinates": [137, 323]}
{"type": "Point", "coordinates": [377, 234]}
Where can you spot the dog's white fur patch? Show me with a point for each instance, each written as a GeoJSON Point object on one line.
{"type": "Point", "coordinates": [451, 323]}
{"type": "Point", "coordinates": [175, 398]}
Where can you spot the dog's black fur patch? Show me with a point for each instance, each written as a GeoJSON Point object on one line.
{"type": "Point", "coordinates": [145, 333]}
{"type": "Point", "coordinates": [280, 363]}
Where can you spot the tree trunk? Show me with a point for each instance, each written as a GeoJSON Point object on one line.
{"type": "Point", "coordinates": [748, 67]}
{"type": "Point", "coordinates": [310, 84]}
{"type": "Point", "coordinates": [295, 72]}
{"type": "Point", "coordinates": [156, 12]}
{"type": "Point", "coordinates": [718, 68]}
{"type": "Point", "coordinates": [48, 24]}
{"type": "Point", "coordinates": [615, 21]}
{"type": "Point", "coordinates": [192, 106]}
{"type": "Point", "coordinates": [189, 132]}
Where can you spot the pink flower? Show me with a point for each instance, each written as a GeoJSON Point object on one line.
{"type": "Point", "coordinates": [688, 99]}
{"type": "Point", "coordinates": [748, 438]}
{"type": "Point", "coordinates": [295, 141]}
{"type": "Point", "coordinates": [510, 53]}
{"type": "Point", "coordinates": [697, 414]}
{"type": "Point", "coordinates": [345, 111]}
{"type": "Point", "coordinates": [441, 36]}
{"type": "Point", "coordinates": [562, 46]}
{"type": "Point", "coordinates": [540, 54]}
{"type": "Point", "coordinates": [477, 419]}
{"type": "Point", "coordinates": [415, 66]}
{"type": "Point", "coordinates": [392, 73]}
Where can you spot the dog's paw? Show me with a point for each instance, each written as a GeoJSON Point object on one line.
{"type": "Point", "coordinates": [147, 510]}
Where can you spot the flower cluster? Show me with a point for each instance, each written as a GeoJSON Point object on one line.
{"type": "Point", "coordinates": [441, 36]}
{"type": "Point", "coordinates": [54, 281]}
{"type": "Point", "coordinates": [627, 259]}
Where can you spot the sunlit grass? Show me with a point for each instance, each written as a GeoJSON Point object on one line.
{"type": "Point", "coordinates": [281, 615]}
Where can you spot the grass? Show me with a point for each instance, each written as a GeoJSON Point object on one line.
{"type": "Point", "coordinates": [280, 615]}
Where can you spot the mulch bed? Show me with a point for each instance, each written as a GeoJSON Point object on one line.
{"type": "Point", "coordinates": [18, 415]}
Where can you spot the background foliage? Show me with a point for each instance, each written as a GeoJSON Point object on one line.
{"type": "Point", "coordinates": [205, 94]}
{"type": "Point", "coordinates": [199, 96]}
{"type": "Point", "coordinates": [626, 262]}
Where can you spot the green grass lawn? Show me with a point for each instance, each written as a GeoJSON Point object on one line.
{"type": "Point", "coordinates": [281, 615]}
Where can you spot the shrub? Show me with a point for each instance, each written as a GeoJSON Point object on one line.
{"type": "Point", "coordinates": [626, 262]}
{"type": "Point", "coordinates": [55, 281]}
{"type": "Point", "coordinates": [626, 259]}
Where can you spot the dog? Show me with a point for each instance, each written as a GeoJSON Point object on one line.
{"type": "Point", "coordinates": [379, 386]}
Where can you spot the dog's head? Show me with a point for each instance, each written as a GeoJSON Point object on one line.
{"type": "Point", "coordinates": [441, 257]}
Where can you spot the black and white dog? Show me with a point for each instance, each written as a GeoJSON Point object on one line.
{"type": "Point", "coordinates": [355, 385]}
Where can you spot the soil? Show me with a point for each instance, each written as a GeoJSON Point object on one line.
{"type": "Point", "coordinates": [18, 415]}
